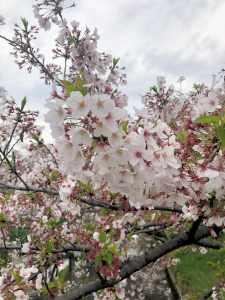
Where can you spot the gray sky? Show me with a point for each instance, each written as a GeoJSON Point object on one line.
{"type": "Point", "coordinates": [152, 38]}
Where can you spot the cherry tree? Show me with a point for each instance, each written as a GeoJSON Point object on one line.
{"type": "Point", "coordinates": [110, 181]}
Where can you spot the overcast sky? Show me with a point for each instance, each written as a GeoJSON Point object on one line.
{"type": "Point", "coordinates": [152, 37]}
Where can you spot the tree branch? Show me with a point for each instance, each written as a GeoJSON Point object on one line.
{"type": "Point", "coordinates": [208, 293]}
{"type": "Point", "coordinates": [210, 244]}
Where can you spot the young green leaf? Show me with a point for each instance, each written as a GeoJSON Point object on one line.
{"type": "Point", "coordinates": [1, 217]}
{"type": "Point", "coordinates": [17, 276]}
{"type": "Point", "coordinates": [196, 86]}
{"type": "Point", "coordinates": [79, 85]}
{"type": "Point", "coordinates": [124, 126]}
{"type": "Point", "coordinates": [49, 245]}
{"type": "Point", "coordinates": [44, 290]}
{"type": "Point", "coordinates": [180, 137]}
{"type": "Point", "coordinates": [154, 88]}
{"type": "Point", "coordinates": [221, 134]}
{"type": "Point", "coordinates": [108, 256]}
{"type": "Point", "coordinates": [83, 76]}
{"type": "Point", "coordinates": [207, 119]}
{"type": "Point", "coordinates": [97, 260]}
{"type": "Point", "coordinates": [115, 61]}
{"type": "Point", "coordinates": [113, 250]}
{"type": "Point", "coordinates": [62, 273]}
{"type": "Point", "coordinates": [197, 154]}
{"type": "Point", "coordinates": [65, 82]}
{"type": "Point", "coordinates": [102, 237]}
{"type": "Point", "coordinates": [25, 22]}
{"type": "Point", "coordinates": [129, 237]}
{"type": "Point", "coordinates": [54, 175]}
{"type": "Point", "coordinates": [70, 88]}
{"type": "Point", "coordinates": [23, 103]}
{"type": "Point", "coordinates": [36, 138]}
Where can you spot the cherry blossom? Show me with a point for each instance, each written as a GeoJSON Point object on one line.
{"type": "Point", "coordinates": [138, 153]}
{"type": "Point", "coordinates": [80, 104]}
{"type": "Point", "coordinates": [80, 136]}
{"type": "Point", "coordinates": [56, 114]}
{"type": "Point", "coordinates": [101, 105]}
{"type": "Point", "coordinates": [110, 120]}
{"type": "Point", "coordinates": [20, 295]}
{"type": "Point", "coordinates": [210, 103]}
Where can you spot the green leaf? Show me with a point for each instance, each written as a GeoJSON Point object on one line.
{"type": "Point", "coordinates": [115, 61]}
{"type": "Point", "coordinates": [49, 245]}
{"type": "Point", "coordinates": [51, 222]}
{"type": "Point", "coordinates": [112, 195]}
{"type": "Point", "coordinates": [88, 226]}
{"type": "Point", "coordinates": [97, 260]}
{"type": "Point", "coordinates": [36, 138]}
{"type": "Point", "coordinates": [79, 85]}
{"type": "Point", "coordinates": [108, 244]}
{"type": "Point", "coordinates": [179, 137]}
{"type": "Point", "coordinates": [62, 273]}
{"type": "Point", "coordinates": [154, 88]}
{"type": "Point", "coordinates": [69, 89]}
{"type": "Point", "coordinates": [44, 289]}
{"type": "Point", "coordinates": [69, 86]}
{"type": "Point", "coordinates": [23, 103]}
{"type": "Point", "coordinates": [70, 41]}
{"type": "Point", "coordinates": [65, 82]}
{"type": "Point", "coordinates": [221, 134]}
{"type": "Point", "coordinates": [129, 236]}
{"type": "Point", "coordinates": [197, 154]}
{"type": "Point", "coordinates": [78, 34]}
{"type": "Point", "coordinates": [113, 250]}
{"type": "Point", "coordinates": [221, 249]}
{"type": "Point", "coordinates": [83, 76]}
{"type": "Point", "coordinates": [196, 86]}
{"type": "Point", "coordinates": [124, 126]}
{"type": "Point", "coordinates": [83, 297]}
{"type": "Point", "coordinates": [207, 119]}
{"type": "Point", "coordinates": [25, 22]}
{"type": "Point", "coordinates": [1, 217]}
{"type": "Point", "coordinates": [54, 175]}
{"type": "Point", "coordinates": [57, 282]}
{"type": "Point", "coordinates": [108, 256]}
{"type": "Point", "coordinates": [17, 276]}
{"type": "Point", "coordinates": [167, 234]}
{"type": "Point", "coordinates": [102, 237]}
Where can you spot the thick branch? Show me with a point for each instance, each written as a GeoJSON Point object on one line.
{"type": "Point", "coordinates": [194, 227]}
{"type": "Point", "coordinates": [210, 244]}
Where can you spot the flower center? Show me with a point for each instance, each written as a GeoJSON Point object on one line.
{"type": "Point", "coordinates": [212, 102]}
{"type": "Point", "coordinates": [138, 154]}
{"type": "Point", "coordinates": [59, 111]}
{"type": "Point", "coordinates": [115, 136]}
{"type": "Point", "coordinates": [81, 105]}
{"type": "Point", "coordinates": [100, 103]}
